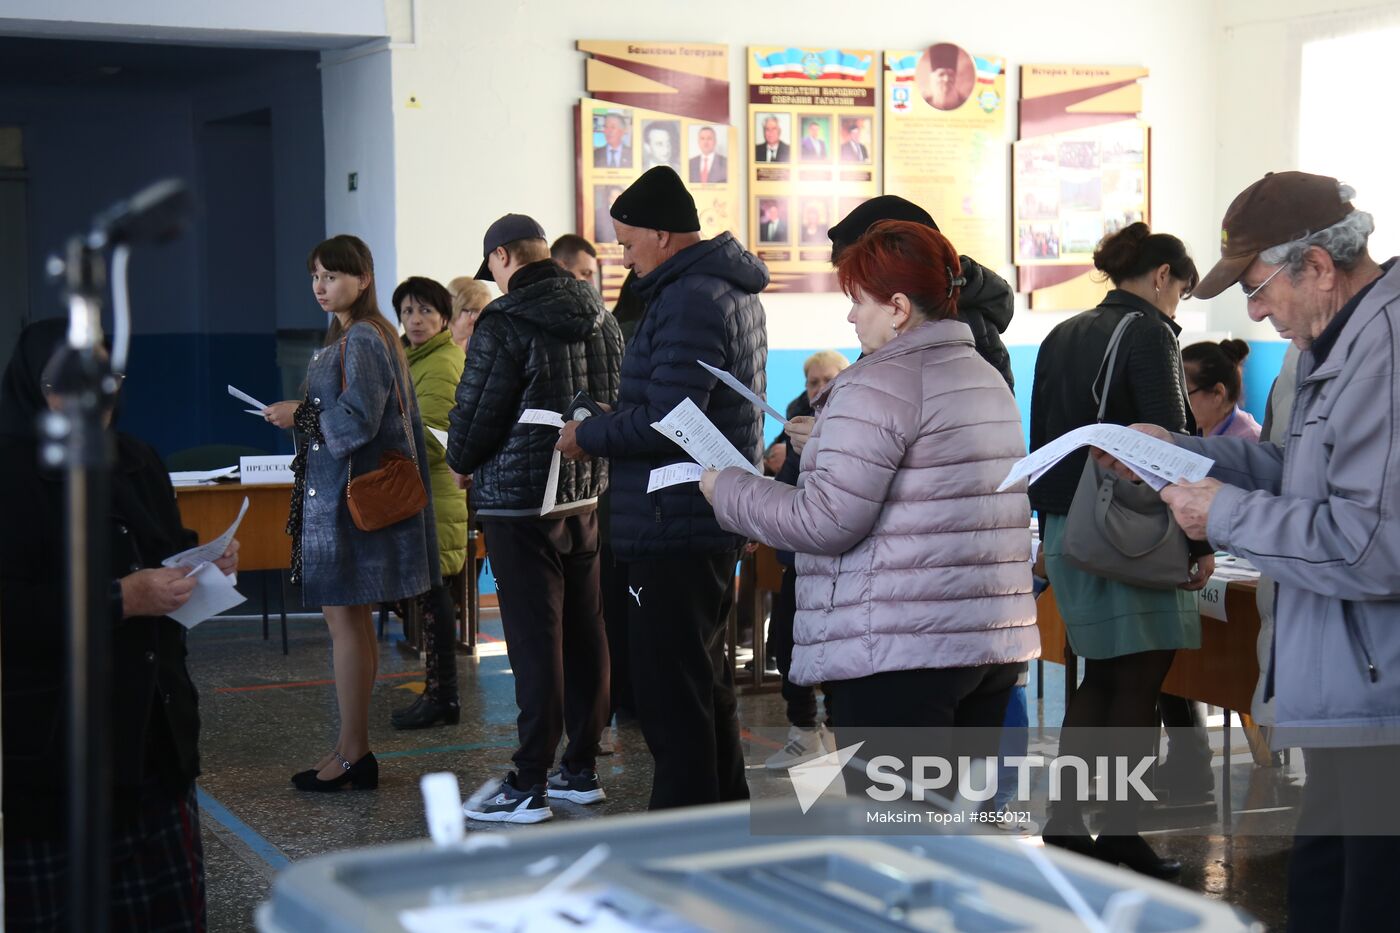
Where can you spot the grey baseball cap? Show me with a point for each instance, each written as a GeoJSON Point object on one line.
{"type": "Point", "coordinates": [508, 229]}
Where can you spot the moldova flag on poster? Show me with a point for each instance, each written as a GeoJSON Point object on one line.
{"type": "Point", "coordinates": [902, 69]}
{"type": "Point", "coordinates": [987, 70]}
{"type": "Point", "coordinates": [812, 66]}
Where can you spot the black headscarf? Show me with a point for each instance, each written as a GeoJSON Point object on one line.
{"type": "Point", "coordinates": [22, 391]}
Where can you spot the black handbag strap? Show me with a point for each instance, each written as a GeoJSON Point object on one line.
{"type": "Point", "coordinates": [1110, 360]}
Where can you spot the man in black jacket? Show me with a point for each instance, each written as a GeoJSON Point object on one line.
{"type": "Point", "coordinates": [701, 304]}
{"type": "Point", "coordinates": [985, 303]}
{"type": "Point", "coordinates": [546, 339]}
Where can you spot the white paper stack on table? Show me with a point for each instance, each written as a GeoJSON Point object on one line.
{"type": "Point", "coordinates": [213, 591]}
{"type": "Point", "coordinates": [202, 477]}
{"type": "Point", "coordinates": [1157, 463]}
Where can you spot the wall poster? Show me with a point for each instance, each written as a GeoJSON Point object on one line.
{"type": "Point", "coordinates": [813, 157]}
{"type": "Point", "coordinates": [1081, 170]}
{"type": "Point", "coordinates": [945, 124]}
{"type": "Point", "coordinates": [648, 104]}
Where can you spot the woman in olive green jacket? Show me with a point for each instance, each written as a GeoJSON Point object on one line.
{"type": "Point", "coordinates": [435, 362]}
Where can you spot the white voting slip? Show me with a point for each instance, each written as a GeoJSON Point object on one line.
{"type": "Point", "coordinates": [213, 593]}
{"type": "Point", "coordinates": [737, 386]}
{"type": "Point", "coordinates": [204, 553]}
{"type": "Point", "coordinates": [540, 416]}
{"type": "Point", "coordinates": [439, 436]}
{"type": "Point", "coordinates": [687, 425]}
{"type": "Point", "coordinates": [1156, 462]}
{"type": "Point", "coordinates": [673, 475]}
{"type": "Point", "coordinates": [242, 396]}
{"type": "Point", "coordinates": [549, 419]}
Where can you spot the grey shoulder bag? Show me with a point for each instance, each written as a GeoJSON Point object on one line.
{"type": "Point", "coordinates": [1118, 528]}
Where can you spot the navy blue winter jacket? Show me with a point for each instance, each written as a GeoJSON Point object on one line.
{"type": "Point", "coordinates": [701, 304]}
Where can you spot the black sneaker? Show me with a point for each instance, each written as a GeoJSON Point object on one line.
{"type": "Point", "coordinates": [578, 786]}
{"type": "Point", "coordinates": [507, 803]}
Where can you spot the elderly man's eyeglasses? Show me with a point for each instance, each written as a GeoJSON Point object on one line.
{"type": "Point", "coordinates": [1249, 293]}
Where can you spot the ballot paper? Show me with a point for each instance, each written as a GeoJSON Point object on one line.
{"type": "Point", "coordinates": [1156, 462]}
{"type": "Point", "coordinates": [201, 477]}
{"type": "Point", "coordinates": [673, 475]}
{"type": "Point", "coordinates": [550, 419]}
{"type": "Point", "coordinates": [687, 425]}
{"type": "Point", "coordinates": [540, 416]}
{"type": "Point", "coordinates": [742, 389]}
{"type": "Point", "coordinates": [206, 553]}
{"type": "Point", "coordinates": [439, 436]}
{"type": "Point", "coordinates": [242, 396]}
{"type": "Point", "coordinates": [213, 593]}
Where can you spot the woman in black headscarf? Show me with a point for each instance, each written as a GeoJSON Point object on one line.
{"type": "Point", "coordinates": [157, 862]}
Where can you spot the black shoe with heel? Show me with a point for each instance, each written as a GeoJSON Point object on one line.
{"type": "Point", "coordinates": [1134, 852]}
{"type": "Point", "coordinates": [425, 713]}
{"type": "Point", "coordinates": [362, 775]}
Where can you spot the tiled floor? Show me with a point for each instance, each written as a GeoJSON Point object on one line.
{"type": "Point", "coordinates": [266, 716]}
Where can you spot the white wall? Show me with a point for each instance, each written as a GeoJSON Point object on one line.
{"type": "Point", "coordinates": [358, 113]}
{"type": "Point", "coordinates": [492, 131]}
{"type": "Point", "coordinates": [299, 24]}
{"type": "Point", "coordinates": [1259, 49]}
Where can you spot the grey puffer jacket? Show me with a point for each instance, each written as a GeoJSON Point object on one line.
{"type": "Point", "coordinates": [907, 556]}
{"type": "Point", "coordinates": [1319, 516]}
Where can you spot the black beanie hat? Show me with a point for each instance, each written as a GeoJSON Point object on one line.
{"type": "Point", "coordinates": [658, 201]}
{"type": "Point", "coordinates": [866, 215]}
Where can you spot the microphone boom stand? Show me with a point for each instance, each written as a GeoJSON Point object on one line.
{"type": "Point", "coordinates": [76, 439]}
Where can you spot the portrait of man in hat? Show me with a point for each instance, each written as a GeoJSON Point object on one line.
{"type": "Point", "coordinates": [945, 76]}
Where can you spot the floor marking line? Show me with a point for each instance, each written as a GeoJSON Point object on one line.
{"type": "Point", "coordinates": [220, 814]}
{"type": "Point", "coordinates": [311, 683]}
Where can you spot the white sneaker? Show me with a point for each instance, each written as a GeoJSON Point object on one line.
{"type": "Point", "coordinates": [802, 745]}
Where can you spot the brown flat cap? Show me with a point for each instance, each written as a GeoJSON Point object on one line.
{"type": "Point", "coordinates": [1279, 208]}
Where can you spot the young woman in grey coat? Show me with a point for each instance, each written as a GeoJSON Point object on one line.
{"type": "Point", "coordinates": [344, 432]}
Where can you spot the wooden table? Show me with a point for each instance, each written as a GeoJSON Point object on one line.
{"type": "Point", "coordinates": [264, 544]}
{"type": "Point", "coordinates": [1222, 672]}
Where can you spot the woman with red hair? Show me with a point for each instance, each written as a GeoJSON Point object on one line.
{"type": "Point", "coordinates": [914, 604]}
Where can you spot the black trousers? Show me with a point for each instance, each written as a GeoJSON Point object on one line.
{"type": "Point", "coordinates": [1339, 880]}
{"type": "Point", "coordinates": [612, 574]}
{"type": "Point", "coordinates": [681, 678]}
{"type": "Point", "coordinates": [547, 586]}
{"type": "Point", "coordinates": [440, 643]}
{"type": "Point", "coordinates": [801, 699]}
{"type": "Point", "coordinates": [918, 712]}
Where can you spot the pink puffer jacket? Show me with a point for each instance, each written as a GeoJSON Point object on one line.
{"type": "Point", "coordinates": [907, 556]}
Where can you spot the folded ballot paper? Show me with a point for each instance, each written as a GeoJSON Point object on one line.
{"type": "Point", "coordinates": [213, 591]}
{"type": "Point", "coordinates": [1157, 463]}
{"type": "Point", "coordinates": [688, 427]}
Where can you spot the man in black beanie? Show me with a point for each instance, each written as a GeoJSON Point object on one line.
{"type": "Point", "coordinates": [701, 299]}
{"type": "Point", "coordinates": [985, 304]}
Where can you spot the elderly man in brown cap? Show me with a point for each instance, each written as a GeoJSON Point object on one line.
{"type": "Point", "coordinates": [1320, 518]}
{"type": "Point", "coordinates": [702, 303]}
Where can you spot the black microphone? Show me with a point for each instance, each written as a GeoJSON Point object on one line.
{"type": "Point", "coordinates": [153, 215]}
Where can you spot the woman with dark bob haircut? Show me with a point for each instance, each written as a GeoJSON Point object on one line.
{"type": "Point", "coordinates": [1127, 635]}
{"type": "Point", "coordinates": [914, 603]}
{"type": "Point", "coordinates": [435, 362]}
{"type": "Point", "coordinates": [359, 405]}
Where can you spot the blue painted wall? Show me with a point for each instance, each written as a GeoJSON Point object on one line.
{"type": "Point", "coordinates": [785, 378]}
{"type": "Point", "coordinates": [207, 307]}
